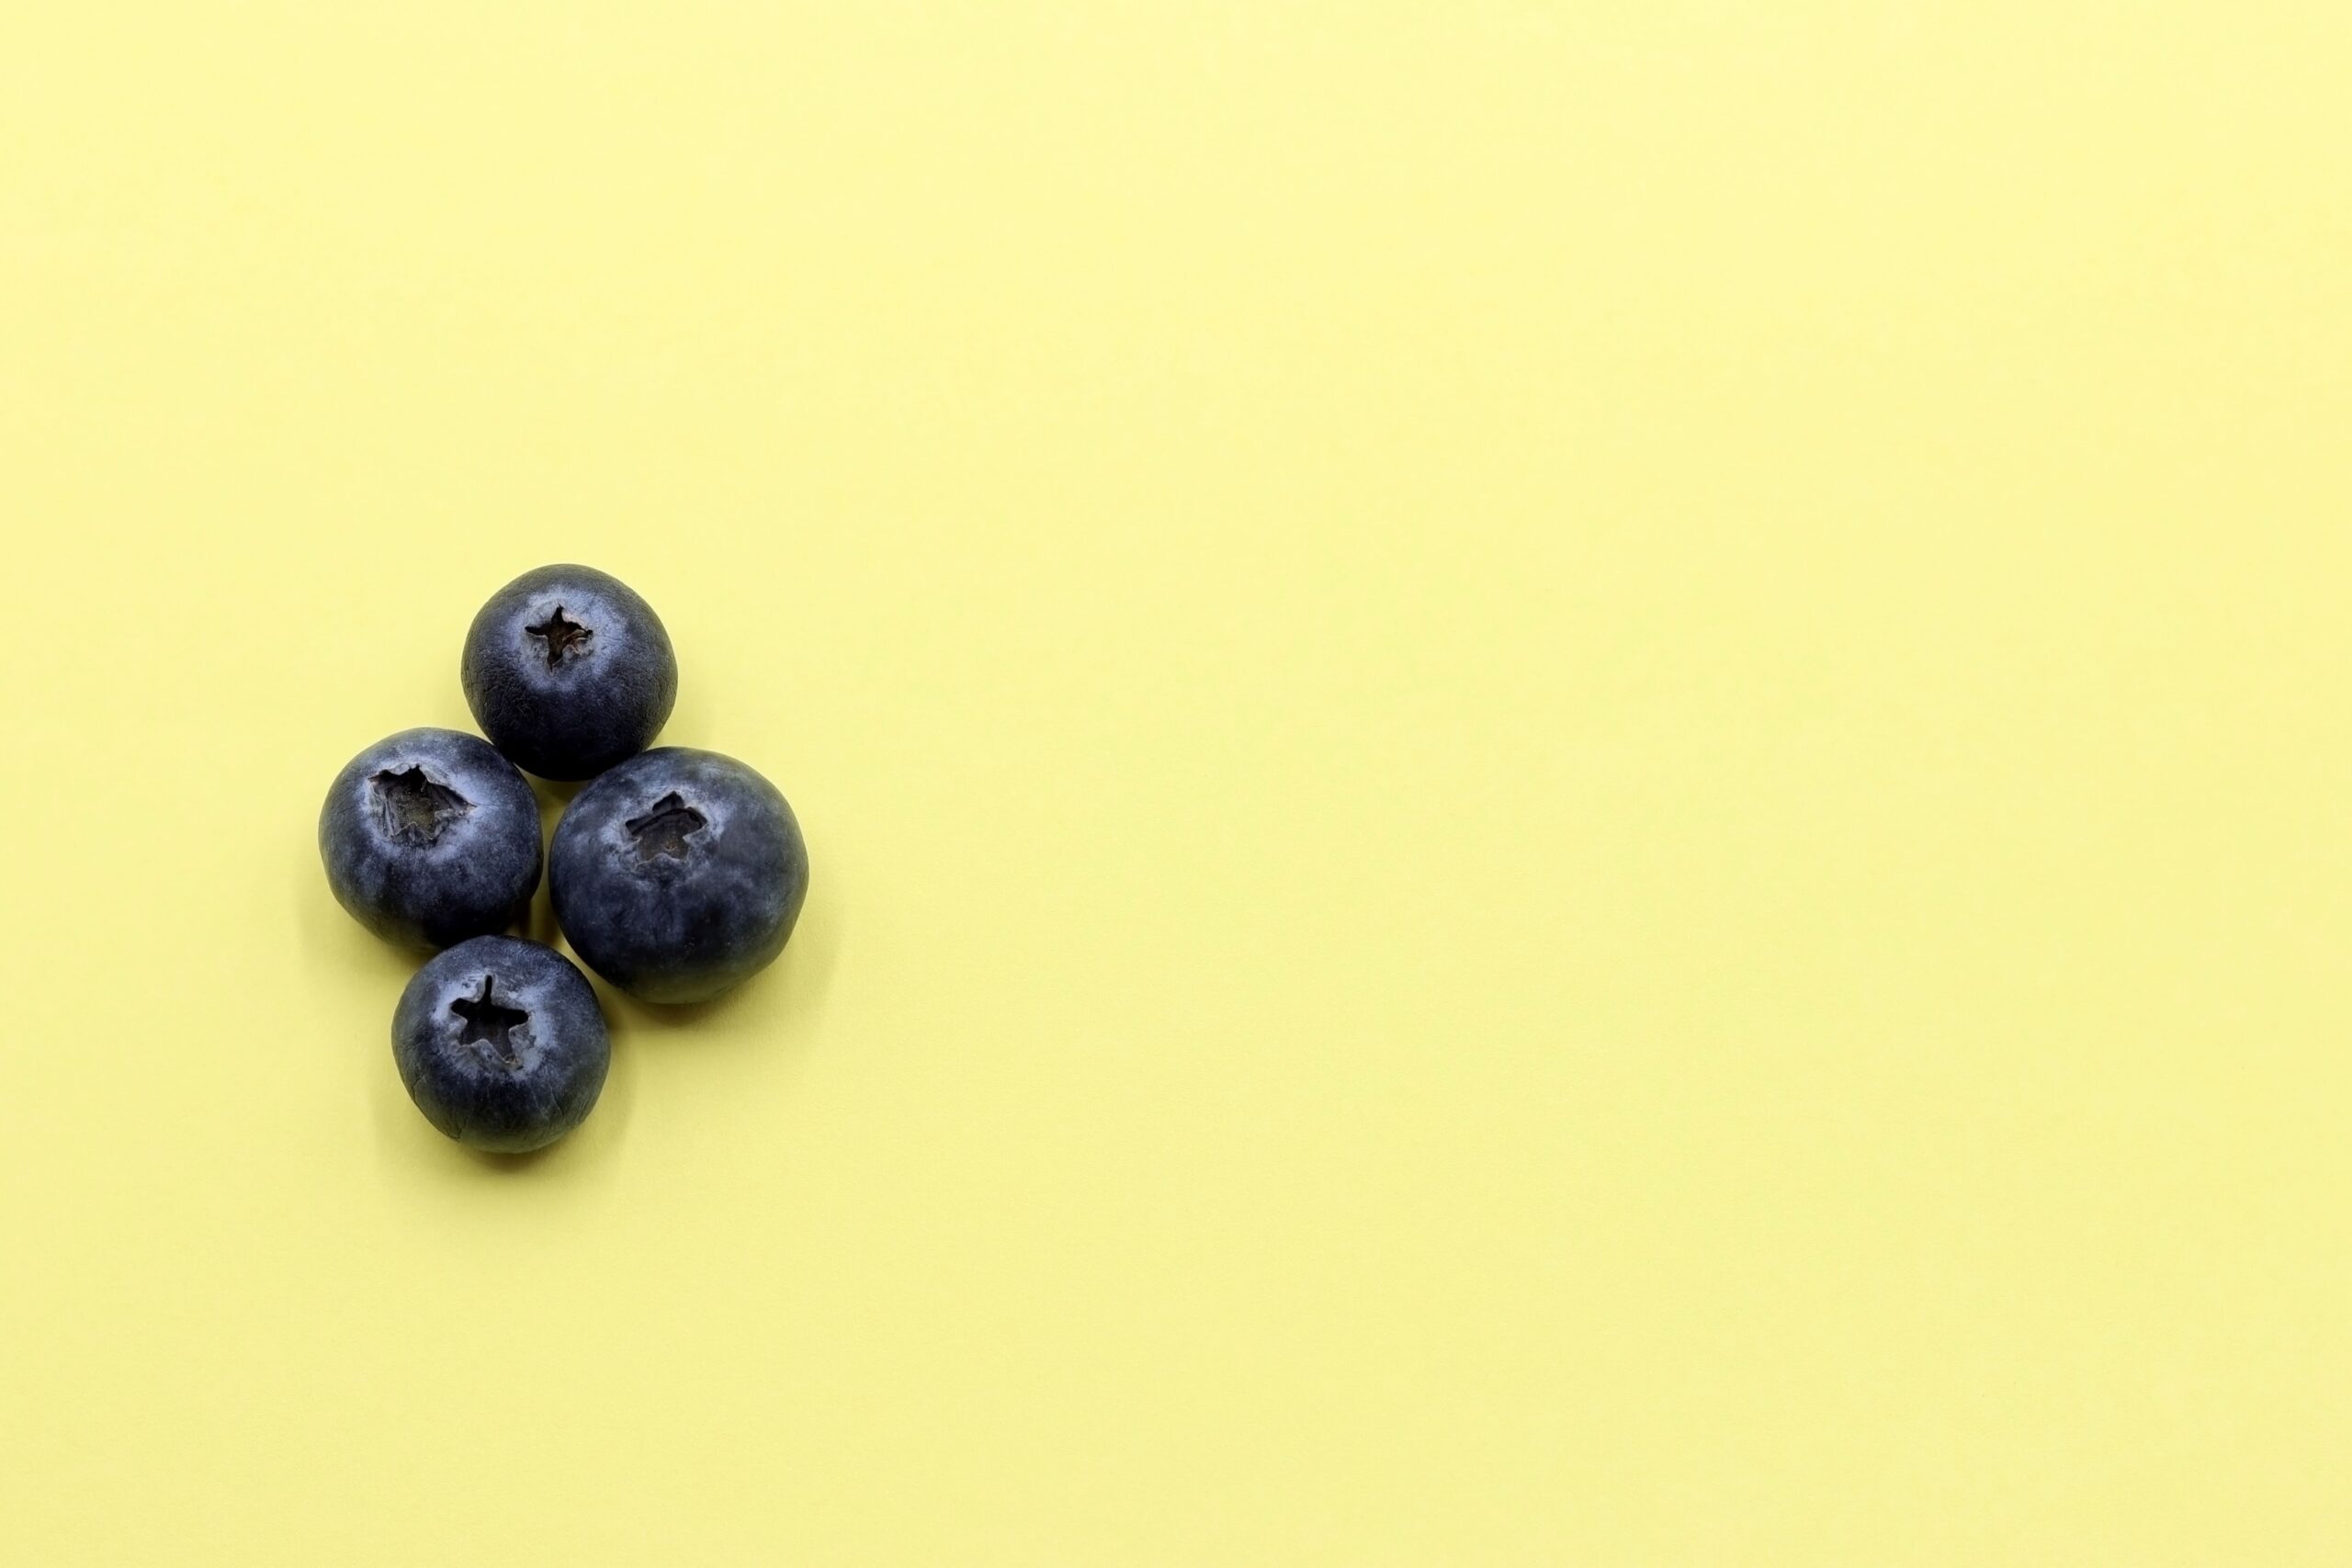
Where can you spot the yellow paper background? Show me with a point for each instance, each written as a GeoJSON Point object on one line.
{"type": "Point", "coordinates": [1577, 776]}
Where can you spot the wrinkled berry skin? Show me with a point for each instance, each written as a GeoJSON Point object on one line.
{"type": "Point", "coordinates": [678, 875]}
{"type": "Point", "coordinates": [569, 671]}
{"type": "Point", "coordinates": [431, 837]}
{"type": "Point", "coordinates": [500, 1045]}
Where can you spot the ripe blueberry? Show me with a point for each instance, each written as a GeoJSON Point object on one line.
{"type": "Point", "coordinates": [678, 875]}
{"type": "Point", "coordinates": [430, 837]}
{"type": "Point", "coordinates": [567, 671]}
{"type": "Point", "coordinates": [500, 1043]}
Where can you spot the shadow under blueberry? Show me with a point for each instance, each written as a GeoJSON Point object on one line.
{"type": "Point", "coordinates": [538, 921]}
{"type": "Point", "coordinates": [511, 1164]}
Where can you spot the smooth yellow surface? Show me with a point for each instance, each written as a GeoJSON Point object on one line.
{"type": "Point", "coordinates": [1580, 780]}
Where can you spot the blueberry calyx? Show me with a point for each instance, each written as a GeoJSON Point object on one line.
{"type": "Point", "coordinates": [664, 830]}
{"type": "Point", "coordinates": [561, 635]}
{"type": "Point", "coordinates": [413, 808]}
{"type": "Point", "coordinates": [489, 1023]}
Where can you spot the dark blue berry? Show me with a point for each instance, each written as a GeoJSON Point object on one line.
{"type": "Point", "coordinates": [431, 837]}
{"type": "Point", "coordinates": [678, 875]}
{"type": "Point", "coordinates": [500, 1043]}
{"type": "Point", "coordinates": [569, 671]}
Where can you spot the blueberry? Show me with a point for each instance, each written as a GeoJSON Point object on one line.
{"type": "Point", "coordinates": [569, 671]}
{"type": "Point", "coordinates": [500, 1045]}
{"type": "Point", "coordinates": [678, 875]}
{"type": "Point", "coordinates": [431, 837]}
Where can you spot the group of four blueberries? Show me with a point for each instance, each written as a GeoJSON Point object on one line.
{"type": "Point", "coordinates": [676, 873]}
